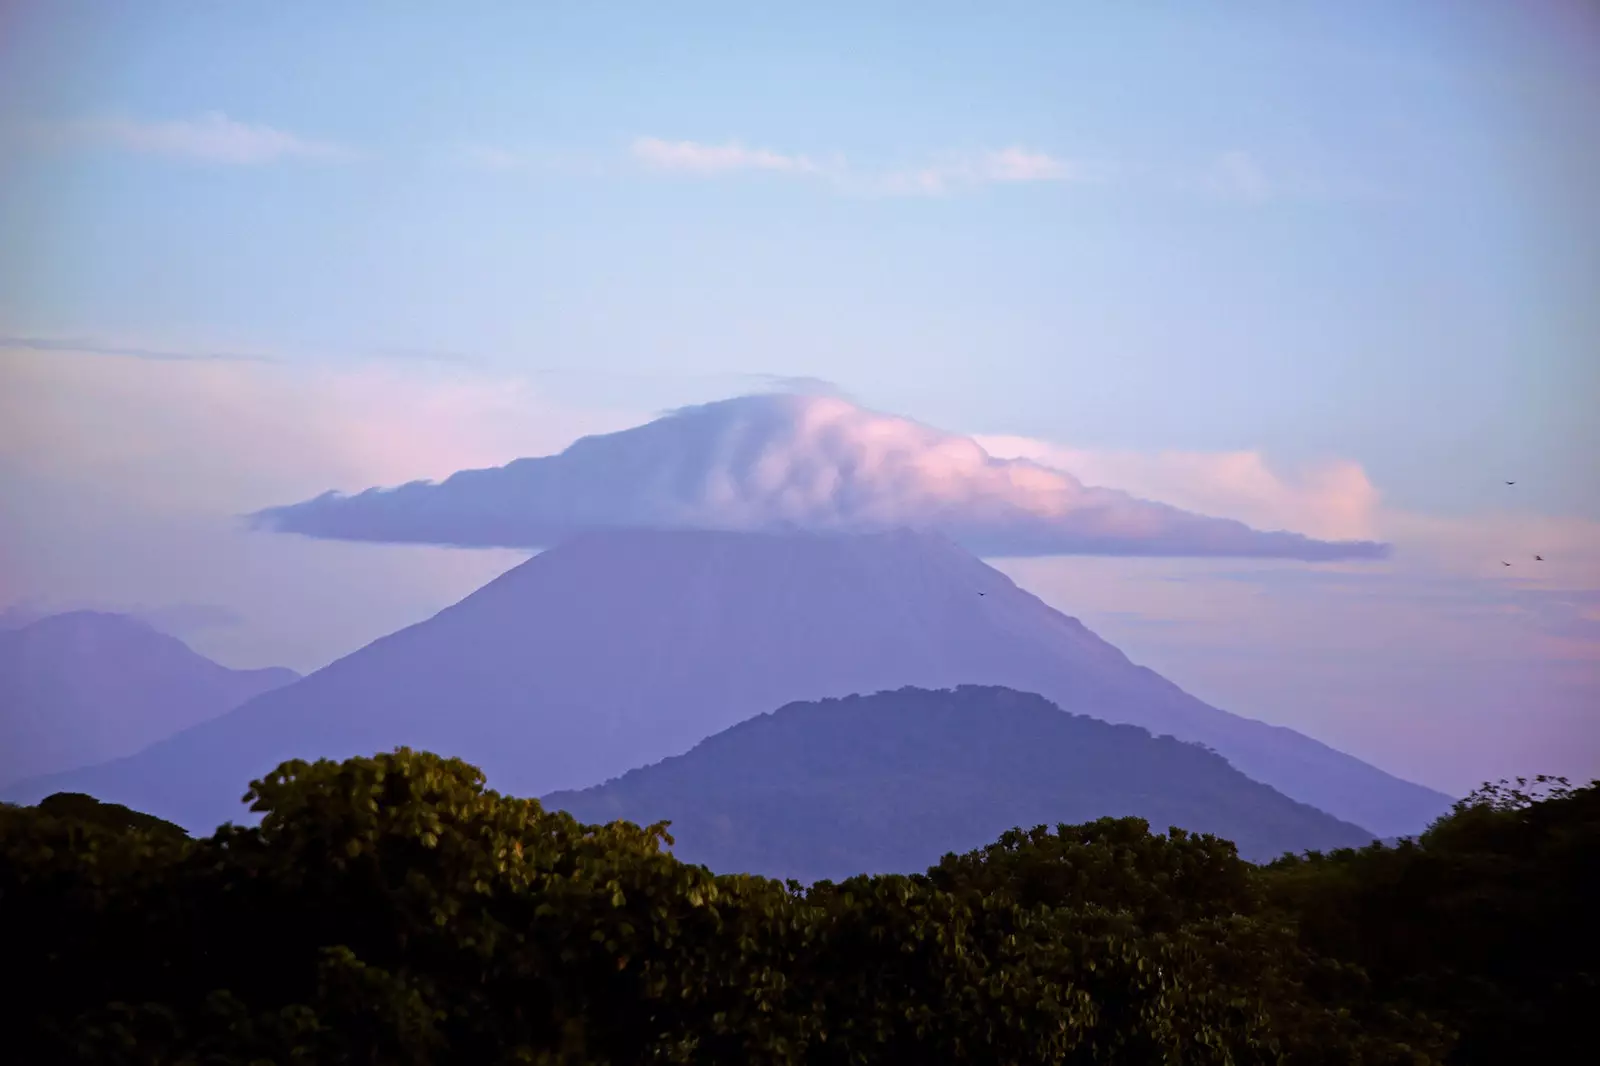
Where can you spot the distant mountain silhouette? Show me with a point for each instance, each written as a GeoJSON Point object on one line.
{"type": "Point", "coordinates": [83, 687]}
{"type": "Point", "coordinates": [889, 783]}
{"type": "Point", "coordinates": [618, 649]}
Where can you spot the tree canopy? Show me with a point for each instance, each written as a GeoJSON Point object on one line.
{"type": "Point", "coordinates": [395, 910]}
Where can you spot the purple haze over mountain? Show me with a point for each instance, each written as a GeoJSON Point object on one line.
{"type": "Point", "coordinates": [84, 687]}
{"type": "Point", "coordinates": [618, 649]}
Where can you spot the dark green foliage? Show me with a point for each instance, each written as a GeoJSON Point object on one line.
{"type": "Point", "coordinates": [81, 808]}
{"type": "Point", "coordinates": [887, 783]}
{"type": "Point", "coordinates": [1192, 896]}
{"type": "Point", "coordinates": [1165, 882]}
{"type": "Point", "coordinates": [1487, 921]}
{"type": "Point", "coordinates": [392, 910]}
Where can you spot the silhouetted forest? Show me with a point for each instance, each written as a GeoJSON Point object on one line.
{"type": "Point", "coordinates": [393, 910]}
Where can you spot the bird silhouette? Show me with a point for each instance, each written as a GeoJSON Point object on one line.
{"type": "Point", "coordinates": [983, 594]}
{"type": "Point", "coordinates": [1538, 558]}
{"type": "Point", "coordinates": [1511, 483]}
{"type": "Point", "coordinates": [1504, 563]}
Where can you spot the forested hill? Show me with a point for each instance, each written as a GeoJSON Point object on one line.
{"type": "Point", "coordinates": [888, 783]}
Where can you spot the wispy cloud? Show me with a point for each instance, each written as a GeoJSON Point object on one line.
{"type": "Point", "coordinates": [424, 355]}
{"type": "Point", "coordinates": [802, 384]}
{"type": "Point", "coordinates": [694, 158]}
{"type": "Point", "coordinates": [46, 344]}
{"type": "Point", "coordinates": [1335, 499]}
{"type": "Point", "coordinates": [1005, 166]}
{"type": "Point", "coordinates": [175, 431]}
{"type": "Point", "coordinates": [1234, 174]}
{"type": "Point", "coordinates": [1332, 499]}
{"type": "Point", "coordinates": [211, 137]}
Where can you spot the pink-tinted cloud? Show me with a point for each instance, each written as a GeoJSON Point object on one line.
{"type": "Point", "coordinates": [789, 461]}
{"type": "Point", "coordinates": [1020, 164]}
{"type": "Point", "coordinates": [1008, 166]}
{"type": "Point", "coordinates": [1333, 499]}
{"type": "Point", "coordinates": [1011, 165]}
{"type": "Point", "coordinates": [198, 434]}
{"type": "Point", "coordinates": [696, 158]}
{"type": "Point", "coordinates": [211, 137]}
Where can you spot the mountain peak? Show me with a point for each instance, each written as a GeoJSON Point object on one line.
{"type": "Point", "coordinates": [84, 686]}
{"type": "Point", "coordinates": [622, 647]}
{"type": "Point", "coordinates": [891, 781]}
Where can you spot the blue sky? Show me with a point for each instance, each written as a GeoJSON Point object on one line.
{"type": "Point", "coordinates": [1361, 233]}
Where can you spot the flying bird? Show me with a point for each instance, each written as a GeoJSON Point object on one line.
{"type": "Point", "coordinates": [983, 594]}
{"type": "Point", "coordinates": [1504, 563]}
{"type": "Point", "coordinates": [1538, 558]}
{"type": "Point", "coordinates": [1511, 483]}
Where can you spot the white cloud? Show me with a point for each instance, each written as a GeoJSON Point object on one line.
{"type": "Point", "coordinates": [1333, 499]}
{"type": "Point", "coordinates": [1006, 166]}
{"type": "Point", "coordinates": [1019, 164]}
{"type": "Point", "coordinates": [211, 137]}
{"type": "Point", "coordinates": [695, 158]}
{"type": "Point", "coordinates": [790, 461]}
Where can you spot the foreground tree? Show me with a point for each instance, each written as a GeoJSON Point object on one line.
{"type": "Point", "coordinates": [1487, 922]}
{"type": "Point", "coordinates": [394, 910]}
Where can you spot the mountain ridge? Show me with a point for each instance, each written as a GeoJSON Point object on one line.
{"type": "Point", "coordinates": [82, 687]}
{"type": "Point", "coordinates": [616, 649]}
{"type": "Point", "coordinates": [892, 781]}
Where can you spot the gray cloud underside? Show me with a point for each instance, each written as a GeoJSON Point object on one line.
{"type": "Point", "coordinates": [788, 463]}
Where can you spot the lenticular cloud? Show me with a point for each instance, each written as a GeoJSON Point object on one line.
{"type": "Point", "coordinates": [788, 462]}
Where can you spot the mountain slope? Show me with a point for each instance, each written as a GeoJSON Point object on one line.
{"type": "Point", "coordinates": [889, 783]}
{"type": "Point", "coordinates": [84, 687]}
{"type": "Point", "coordinates": [618, 649]}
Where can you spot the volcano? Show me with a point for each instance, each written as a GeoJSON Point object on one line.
{"type": "Point", "coordinates": [617, 649]}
